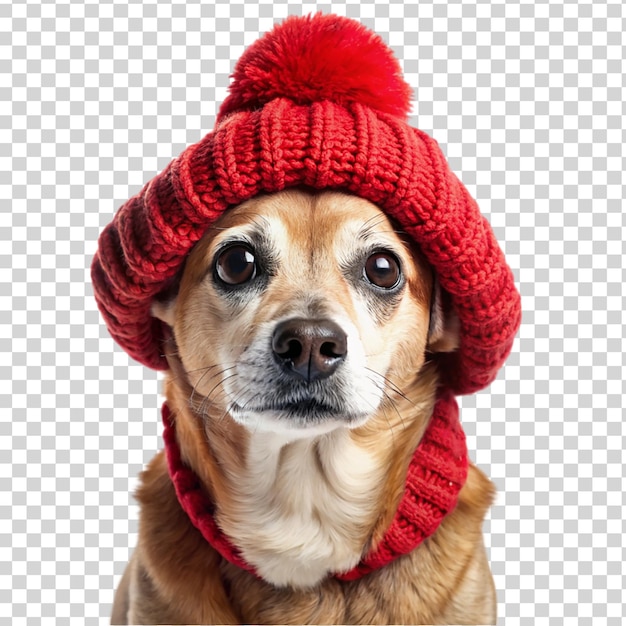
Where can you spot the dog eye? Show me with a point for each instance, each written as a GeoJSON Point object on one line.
{"type": "Point", "coordinates": [382, 270]}
{"type": "Point", "coordinates": [236, 265]}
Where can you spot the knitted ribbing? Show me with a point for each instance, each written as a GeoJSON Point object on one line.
{"type": "Point", "coordinates": [323, 146]}
{"type": "Point", "coordinates": [300, 114]}
{"type": "Point", "coordinates": [435, 476]}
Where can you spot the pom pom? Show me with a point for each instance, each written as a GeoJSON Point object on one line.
{"type": "Point", "coordinates": [315, 58]}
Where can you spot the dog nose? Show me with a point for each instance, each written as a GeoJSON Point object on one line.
{"type": "Point", "coordinates": [309, 349]}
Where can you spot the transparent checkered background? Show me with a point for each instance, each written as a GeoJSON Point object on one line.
{"type": "Point", "coordinates": [527, 101]}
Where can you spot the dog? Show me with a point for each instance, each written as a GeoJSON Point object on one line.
{"type": "Point", "coordinates": [301, 382]}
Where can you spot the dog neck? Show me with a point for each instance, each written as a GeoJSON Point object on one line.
{"type": "Point", "coordinates": [341, 504]}
{"type": "Point", "coordinates": [304, 509]}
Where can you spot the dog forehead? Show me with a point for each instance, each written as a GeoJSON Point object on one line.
{"type": "Point", "coordinates": [297, 218]}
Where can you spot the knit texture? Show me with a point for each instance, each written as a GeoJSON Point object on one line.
{"type": "Point", "coordinates": [435, 476]}
{"type": "Point", "coordinates": [266, 142]}
{"type": "Point", "coordinates": [349, 137]}
{"type": "Point", "coordinates": [320, 102]}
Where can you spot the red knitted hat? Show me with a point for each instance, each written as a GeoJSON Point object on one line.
{"type": "Point", "coordinates": [319, 101]}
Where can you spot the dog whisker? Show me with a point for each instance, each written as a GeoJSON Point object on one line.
{"type": "Point", "coordinates": [210, 398]}
{"type": "Point", "coordinates": [261, 222]}
{"type": "Point", "coordinates": [193, 391]}
{"type": "Point", "coordinates": [222, 381]}
{"type": "Point", "coordinates": [240, 402]}
{"type": "Point", "coordinates": [393, 387]}
{"type": "Point", "coordinates": [199, 407]}
{"type": "Point", "coordinates": [394, 406]}
{"type": "Point", "coordinates": [377, 379]}
{"type": "Point", "coordinates": [207, 370]}
{"type": "Point", "coordinates": [184, 374]}
{"type": "Point", "coordinates": [371, 224]}
{"type": "Point", "coordinates": [384, 411]}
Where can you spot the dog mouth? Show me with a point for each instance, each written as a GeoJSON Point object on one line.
{"type": "Point", "coordinates": [310, 408]}
{"type": "Point", "coordinates": [304, 380]}
{"type": "Point", "coordinates": [296, 413]}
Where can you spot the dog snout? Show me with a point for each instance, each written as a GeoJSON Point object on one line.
{"type": "Point", "coordinates": [309, 349]}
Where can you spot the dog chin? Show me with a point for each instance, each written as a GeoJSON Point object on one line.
{"type": "Point", "coordinates": [297, 421]}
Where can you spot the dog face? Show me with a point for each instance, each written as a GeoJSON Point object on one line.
{"type": "Point", "coordinates": [300, 313]}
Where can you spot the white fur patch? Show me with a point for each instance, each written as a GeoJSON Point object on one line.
{"type": "Point", "coordinates": [303, 506]}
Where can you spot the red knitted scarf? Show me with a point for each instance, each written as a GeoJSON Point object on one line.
{"type": "Point", "coordinates": [435, 476]}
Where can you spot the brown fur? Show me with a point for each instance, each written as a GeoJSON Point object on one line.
{"type": "Point", "coordinates": [176, 577]}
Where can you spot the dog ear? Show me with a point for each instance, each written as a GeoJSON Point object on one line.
{"type": "Point", "coordinates": [164, 310]}
{"type": "Point", "coordinates": [444, 326]}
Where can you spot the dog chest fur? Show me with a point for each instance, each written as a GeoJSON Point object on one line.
{"type": "Point", "coordinates": [328, 488]}
{"type": "Point", "coordinates": [302, 500]}
{"type": "Point", "coordinates": [179, 578]}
